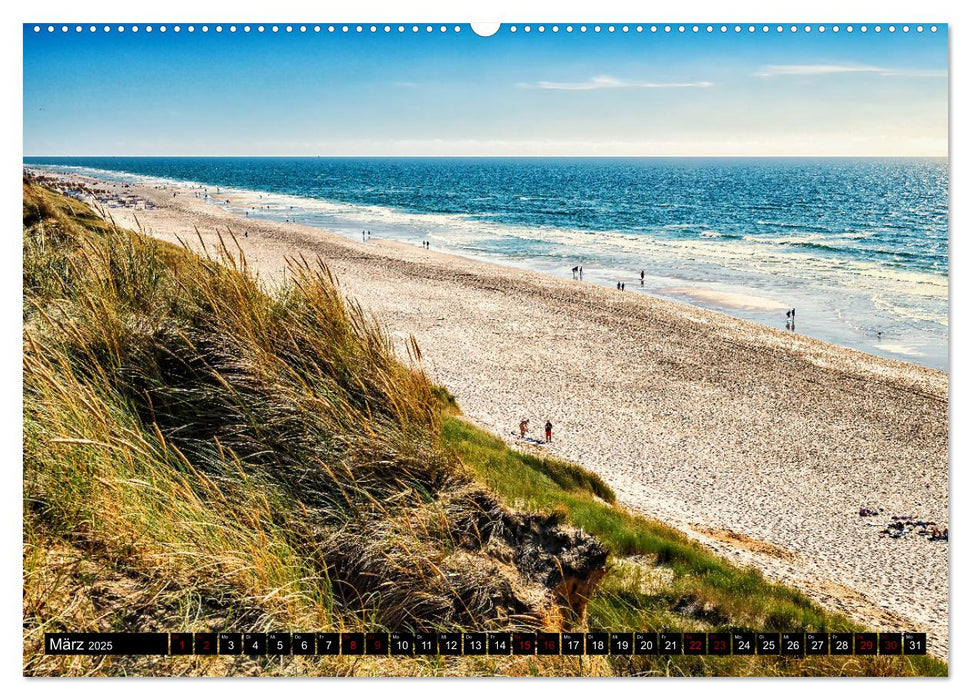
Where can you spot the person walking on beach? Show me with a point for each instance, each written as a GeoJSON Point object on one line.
{"type": "Point", "coordinates": [576, 269]}
{"type": "Point", "coordinates": [581, 273]}
{"type": "Point", "coordinates": [642, 278]}
{"type": "Point", "coordinates": [549, 431]}
{"type": "Point", "coordinates": [363, 236]}
{"type": "Point", "coordinates": [523, 427]}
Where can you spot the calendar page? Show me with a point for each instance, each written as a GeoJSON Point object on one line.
{"type": "Point", "coordinates": [447, 349]}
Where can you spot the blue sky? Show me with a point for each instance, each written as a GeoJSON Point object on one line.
{"type": "Point", "coordinates": [460, 94]}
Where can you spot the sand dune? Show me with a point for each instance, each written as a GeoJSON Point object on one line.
{"type": "Point", "coordinates": [712, 424]}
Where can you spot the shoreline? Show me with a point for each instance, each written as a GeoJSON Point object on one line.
{"type": "Point", "coordinates": [827, 312]}
{"type": "Point", "coordinates": [760, 443]}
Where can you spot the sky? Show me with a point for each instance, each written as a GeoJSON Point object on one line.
{"type": "Point", "coordinates": [512, 94]}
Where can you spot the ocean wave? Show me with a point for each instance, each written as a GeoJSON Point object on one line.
{"type": "Point", "coordinates": [793, 264]}
{"type": "Point", "coordinates": [796, 225]}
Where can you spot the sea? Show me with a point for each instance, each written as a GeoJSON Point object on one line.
{"type": "Point", "coordinates": [858, 247]}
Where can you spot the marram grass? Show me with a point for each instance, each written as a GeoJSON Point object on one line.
{"type": "Point", "coordinates": [205, 453]}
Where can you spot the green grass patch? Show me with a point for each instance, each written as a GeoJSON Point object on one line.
{"type": "Point", "coordinates": [659, 579]}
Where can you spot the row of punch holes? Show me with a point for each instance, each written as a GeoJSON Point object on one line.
{"type": "Point", "coordinates": [512, 28]}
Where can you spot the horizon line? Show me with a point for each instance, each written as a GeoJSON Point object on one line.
{"type": "Point", "coordinates": [475, 155]}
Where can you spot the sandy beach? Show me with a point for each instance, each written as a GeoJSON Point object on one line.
{"type": "Point", "coordinates": [760, 443]}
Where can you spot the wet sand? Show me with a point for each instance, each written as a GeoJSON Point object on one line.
{"type": "Point", "coordinates": [761, 444]}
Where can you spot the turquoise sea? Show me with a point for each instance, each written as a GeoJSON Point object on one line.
{"type": "Point", "coordinates": [859, 247]}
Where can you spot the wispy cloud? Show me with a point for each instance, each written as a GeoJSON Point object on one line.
{"type": "Point", "coordinates": [810, 69]}
{"type": "Point", "coordinates": [607, 82]}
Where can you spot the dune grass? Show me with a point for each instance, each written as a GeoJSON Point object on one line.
{"type": "Point", "coordinates": [202, 453]}
{"type": "Point", "coordinates": [254, 460]}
